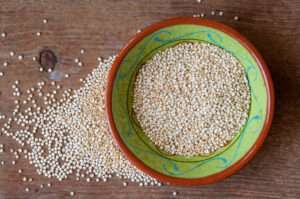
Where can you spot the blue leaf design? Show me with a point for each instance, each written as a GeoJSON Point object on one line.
{"type": "Point", "coordinates": [251, 121]}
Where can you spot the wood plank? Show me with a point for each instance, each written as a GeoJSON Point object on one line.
{"type": "Point", "coordinates": [102, 28]}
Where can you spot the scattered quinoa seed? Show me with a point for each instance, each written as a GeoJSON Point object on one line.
{"type": "Point", "coordinates": [20, 57]}
{"type": "Point", "coordinates": [5, 64]}
{"type": "Point", "coordinates": [3, 34]}
{"type": "Point", "coordinates": [74, 121]}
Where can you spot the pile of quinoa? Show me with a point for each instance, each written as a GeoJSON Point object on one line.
{"type": "Point", "coordinates": [62, 133]}
{"type": "Point", "coordinates": [191, 99]}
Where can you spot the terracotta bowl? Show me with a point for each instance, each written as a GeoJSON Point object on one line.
{"type": "Point", "coordinates": [130, 136]}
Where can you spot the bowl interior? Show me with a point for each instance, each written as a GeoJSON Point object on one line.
{"type": "Point", "coordinates": [132, 134]}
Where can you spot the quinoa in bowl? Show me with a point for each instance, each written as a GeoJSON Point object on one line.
{"type": "Point", "coordinates": [241, 88]}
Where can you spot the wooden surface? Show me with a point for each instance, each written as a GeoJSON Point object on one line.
{"type": "Point", "coordinates": [102, 28]}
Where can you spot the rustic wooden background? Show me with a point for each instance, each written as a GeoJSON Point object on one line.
{"type": "Point", "coordinates": [102, 27]}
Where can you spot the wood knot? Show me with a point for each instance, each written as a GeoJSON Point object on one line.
{"type": "Point", "coordinates": [47, 60]}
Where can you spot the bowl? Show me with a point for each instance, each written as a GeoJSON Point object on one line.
{"type": "Point", "coordinates": [130, 137]}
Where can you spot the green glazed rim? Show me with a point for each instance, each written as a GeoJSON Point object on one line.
{"type": "Point", "coordinates": [139, 145]}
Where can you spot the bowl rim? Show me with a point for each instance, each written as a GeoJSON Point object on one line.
{"type": "Point", "coordinates": [267, 80]}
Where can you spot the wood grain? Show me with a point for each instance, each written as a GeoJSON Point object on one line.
{"type": "Point", "coordinates": [102, 28]}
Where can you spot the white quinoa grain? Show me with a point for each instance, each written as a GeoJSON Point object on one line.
{"type": "Point", "coordinates": [20, 57]}
{"type": "Point", "coordinates": [3, 34]}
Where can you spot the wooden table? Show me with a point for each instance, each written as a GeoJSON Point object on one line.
{"type": "Point", "coordinates": [102, 28]}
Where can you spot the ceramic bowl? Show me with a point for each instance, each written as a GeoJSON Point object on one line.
{"type": "Point", "coordinates": [130, 136]}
